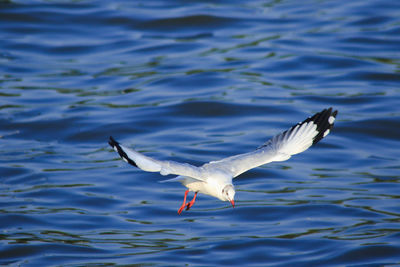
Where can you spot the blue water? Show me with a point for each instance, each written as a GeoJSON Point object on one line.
{"type": "Point", "coordinates": [196, 81]}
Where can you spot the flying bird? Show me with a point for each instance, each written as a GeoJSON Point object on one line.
{"type": "Point", "coordinates": [215, 178]}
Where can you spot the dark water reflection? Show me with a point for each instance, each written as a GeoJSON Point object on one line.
{"type": "Point", "coordinates": [197, 81]}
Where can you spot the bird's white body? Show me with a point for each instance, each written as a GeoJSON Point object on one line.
{"type": "Point", "coordinates": [213, 185]}
{"type": "Point", "coordinates": [215, 178]}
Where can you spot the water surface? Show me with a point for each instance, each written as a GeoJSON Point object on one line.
{"type": "Point", "coordinates": [196, 81]}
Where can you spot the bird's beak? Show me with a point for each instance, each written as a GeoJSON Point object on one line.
{"type": "Point", "coordinates": [233, 203]}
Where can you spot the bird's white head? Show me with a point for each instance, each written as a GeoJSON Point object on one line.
{"type": "Point", "coordinates": [228, 194]}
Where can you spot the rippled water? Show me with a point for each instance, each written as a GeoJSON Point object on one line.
{"type": "Point", "coordinates": [197, 81]}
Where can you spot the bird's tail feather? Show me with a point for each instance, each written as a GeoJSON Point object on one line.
{"type": "Point", "coordinates": [175, 179]}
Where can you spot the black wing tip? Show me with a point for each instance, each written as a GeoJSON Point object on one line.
{"type": "Point", "coordinates": [115, 145]}
{"type": "Point", "coordinates": [321, 119]}
{"type": "Point", "coordinates": [324, 122]}
{"type": "Point", "coordinates": [112, 142]}
{"type": "Point", "coordinates": [331, 111]}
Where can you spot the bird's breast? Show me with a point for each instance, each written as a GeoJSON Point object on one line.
{"type": "Point", "coordinates": [201, 187]}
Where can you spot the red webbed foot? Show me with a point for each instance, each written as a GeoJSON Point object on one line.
{"type": "Point", "coordinates": [190, 204]}
{"type": "Point", "coordinates": [184, 202]}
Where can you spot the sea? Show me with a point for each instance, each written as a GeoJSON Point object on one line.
{"type": "Point", "coordinates": [196, 81]}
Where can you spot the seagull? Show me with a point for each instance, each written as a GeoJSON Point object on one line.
{"type": "Point", "coordinates": [215, 178]}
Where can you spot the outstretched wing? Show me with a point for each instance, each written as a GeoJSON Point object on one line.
{"type": "Point", "coordinates": [282, 146]}
{"type": "Point", "coordinates": [152, 165]}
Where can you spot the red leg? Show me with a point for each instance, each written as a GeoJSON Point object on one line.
{"type": "Point", "coordinates": [190, 204]}
{"type": "Point", "coordinates": [184, 202]}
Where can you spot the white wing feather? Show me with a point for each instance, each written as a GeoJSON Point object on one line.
{"type": "Point", "coordinates": [279, 148]}
{"type": "Point", "coordinates": [164, 167]}
{"type": "Point", "coordinates": [282, 146]}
